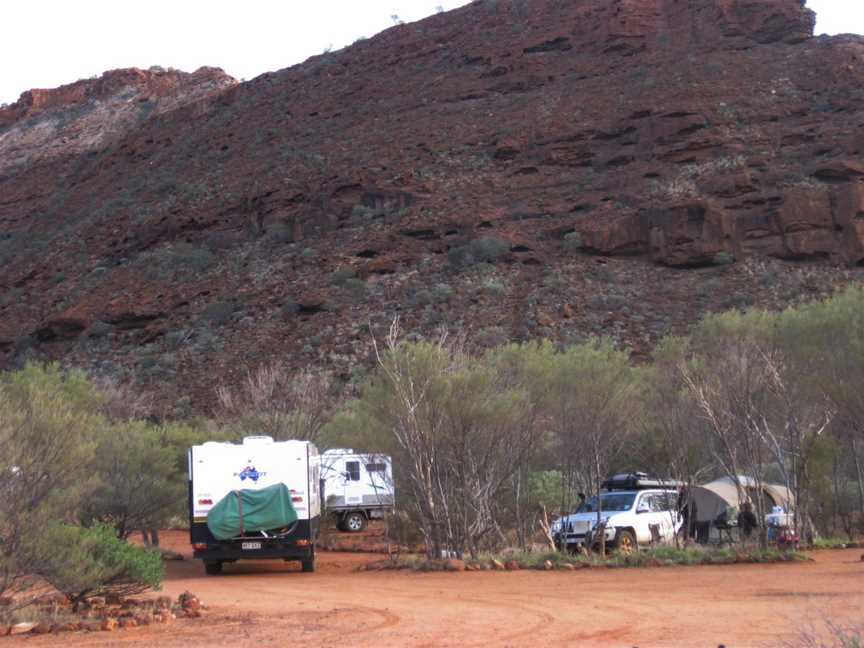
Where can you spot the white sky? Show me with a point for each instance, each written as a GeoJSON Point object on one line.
{"type": "Point", "coordinates": [46, 43]}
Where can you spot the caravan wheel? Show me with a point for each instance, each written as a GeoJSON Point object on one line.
{"type": "Point", "coordinates": [308, 565]}
{"type": "Point", "coordinates": [213, 568]}
{"type": "Point", "coordinates": [354, 522]}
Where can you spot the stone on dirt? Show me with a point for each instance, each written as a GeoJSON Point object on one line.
{"type": "Point", "coordinates": [109, 625]}
{"type": "Point", "coordinates": [21, 628]}
{"type": "Point", "coordinates": [188, 601]}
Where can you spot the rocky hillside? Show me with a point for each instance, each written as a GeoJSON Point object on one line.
{"type": "Point", "coordinates": [512, 169]}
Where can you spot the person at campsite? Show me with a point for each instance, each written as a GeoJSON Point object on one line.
{"type": "Point", "coordinates": [747, 521]}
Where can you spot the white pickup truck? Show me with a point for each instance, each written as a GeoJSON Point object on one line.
{"type": "Point", "coordinates": [632, 517]}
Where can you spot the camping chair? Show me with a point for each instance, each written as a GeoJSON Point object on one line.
{"type": "Point", "coordinates": [723, 524]}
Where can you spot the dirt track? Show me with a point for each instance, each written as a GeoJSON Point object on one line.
{"type": "Point", "coordinates": [272, 604]}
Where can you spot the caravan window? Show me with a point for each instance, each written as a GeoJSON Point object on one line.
{"type": "Point", "coordinates": [352, 470]}
{"type": "Point", "coordinates": [376, 467]}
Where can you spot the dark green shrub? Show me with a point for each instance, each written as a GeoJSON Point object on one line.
{"type": "Point", "coordinates": [341, 275]}
{"type": "Point", "coordinates": [493, 288]}
{"type": "Point", "coordinates": [723, 258]}
{"type": "Point", "coordinates": [218, 312]}
{"type": "Point", "coordinates": [280, 233]}
{"type": "Point", "coordinates": [100, 329]}
{"type": "Point", "coordinates": [573, 242]}
{"type": "Point", "coordinates": [290, 308]}
{"type": "Point", "coordinates": [176, 339]}
{"type": "Point", "coordinates": [488, 248]}
{"type": "Point", "coordinates": [442, 293]}
{"type": "Point", "coordinates": [460, 257]}
{"type": "Point", "coordinates": [355, 287]}
{"type": "Point", "coordinates": [88, 561]}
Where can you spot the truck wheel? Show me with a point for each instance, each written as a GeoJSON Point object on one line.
{"type": "Point", "coordinates": [213, 568]}
{"type": "Point", "coordinates": [625, 542]}
{"type": "Point", "coordinates": [354, 522]}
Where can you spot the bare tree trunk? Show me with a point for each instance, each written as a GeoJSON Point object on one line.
{"type": "Point", "coordinates": [546, 528]}
{"type": "Point", "coordinates": [859, 470]}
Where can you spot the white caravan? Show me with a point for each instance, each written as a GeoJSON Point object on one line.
{"type": "Point", "coordinates": [217, 470]}
{"type": "Point", "coordinates": [357, 487]}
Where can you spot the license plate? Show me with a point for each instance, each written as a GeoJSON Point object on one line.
{"type": "Point", "coordinates": [250, 545]}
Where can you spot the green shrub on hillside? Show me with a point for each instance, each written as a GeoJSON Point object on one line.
{"type": "Point", "coordinates": [486, 249]}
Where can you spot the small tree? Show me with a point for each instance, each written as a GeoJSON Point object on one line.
{"type": "Point", "coordinates": [82, 562]}
{"type": "Point", "coordinates": [459, 428]}
{"type": "Point", "coordinates": [142, 473]}
{"type": "Point", "coordinates": [589, 404]}
{"type": "Point", "coordinates": [672, 436]}
{"type": "Point", "coordinates": [272, 400]}
{"type": "Point", "coordinates": [730, 381]}
{"type": "Point", "coordinates": [48, 421]}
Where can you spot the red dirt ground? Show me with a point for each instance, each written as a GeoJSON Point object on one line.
{"type": "Point", "coordinates": [273, 604]}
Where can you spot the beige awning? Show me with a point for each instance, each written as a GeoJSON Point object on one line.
{"type": "Point", "coordinates": [713, 498]}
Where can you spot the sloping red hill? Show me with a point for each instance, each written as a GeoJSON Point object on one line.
{"type": "Point", "coordinates": [514, 168]}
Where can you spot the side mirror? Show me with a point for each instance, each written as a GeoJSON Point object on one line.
{"type": "Point", "coordinates": [643, 508]}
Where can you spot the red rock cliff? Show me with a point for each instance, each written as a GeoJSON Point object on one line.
{"type": "Point", "coordinates": [605, 144]}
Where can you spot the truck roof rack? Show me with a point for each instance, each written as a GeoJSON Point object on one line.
{"type": "Point", "coordinates": [638, 481]}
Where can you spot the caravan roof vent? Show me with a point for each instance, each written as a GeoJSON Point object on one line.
{"type": "Point", "coordinates": [258, 439]}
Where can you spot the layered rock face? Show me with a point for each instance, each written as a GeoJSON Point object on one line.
{"type": "Point", "coordinates": [648, 135]}
{"type": "Point", "coordinates": [82, 116]}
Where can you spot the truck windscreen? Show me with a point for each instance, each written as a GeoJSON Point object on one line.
{"type": "Point", "coordinates": [611, 502]}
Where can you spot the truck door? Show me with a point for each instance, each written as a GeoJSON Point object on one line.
{"type": "Point", "coordinates": [666, 514]}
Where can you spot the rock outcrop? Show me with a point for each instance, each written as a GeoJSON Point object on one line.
{"type": "Point", "coordinates": [84, 115]}
{"type": "Point", "coordinates": [605, 144]}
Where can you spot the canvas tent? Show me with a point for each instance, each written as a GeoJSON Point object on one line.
{"type": "Point", "coordinates": [713, 498]}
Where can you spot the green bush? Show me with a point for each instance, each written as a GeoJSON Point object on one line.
{"type": "Point", "coordinates": [486, 249]}
{"type": "Point", "coordinates": [141, 475]}
{"type": "Point", "coordinates": [459, 257]}
{"type": "Point", "coordinates": [343, 274]}
{"type": "Point", "coordinates": [48, 420]}
{"type": "Point", "coordinates": [442, 293]}
{"type": "Point", "coordinates": [82, 562]}
{"type": "Point", "coordinates": [493, 288]}
{"type": "Point", "coordinates": [723, 258]}
{"type": "Point", "coordinates": [218, 312]}
{"type": "Point", "coordinates": [355, 287]}
{"type": "Point", "coordinates": [573, 242]}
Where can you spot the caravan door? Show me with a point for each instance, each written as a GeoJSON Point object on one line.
{"type": "Point", "coordinates": [353, 480]}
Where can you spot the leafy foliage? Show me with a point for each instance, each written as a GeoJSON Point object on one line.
{"type": "Point", "coordinates": [88, 561]}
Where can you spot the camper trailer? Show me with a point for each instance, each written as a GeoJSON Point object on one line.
{"type": "Point", "coordinates": [259, 499]}
{"type": "Point", "coordinates": [357, 487]}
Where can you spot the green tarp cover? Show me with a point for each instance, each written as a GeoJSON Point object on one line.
{"type": "Point", "coordinates": [242, 512]}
